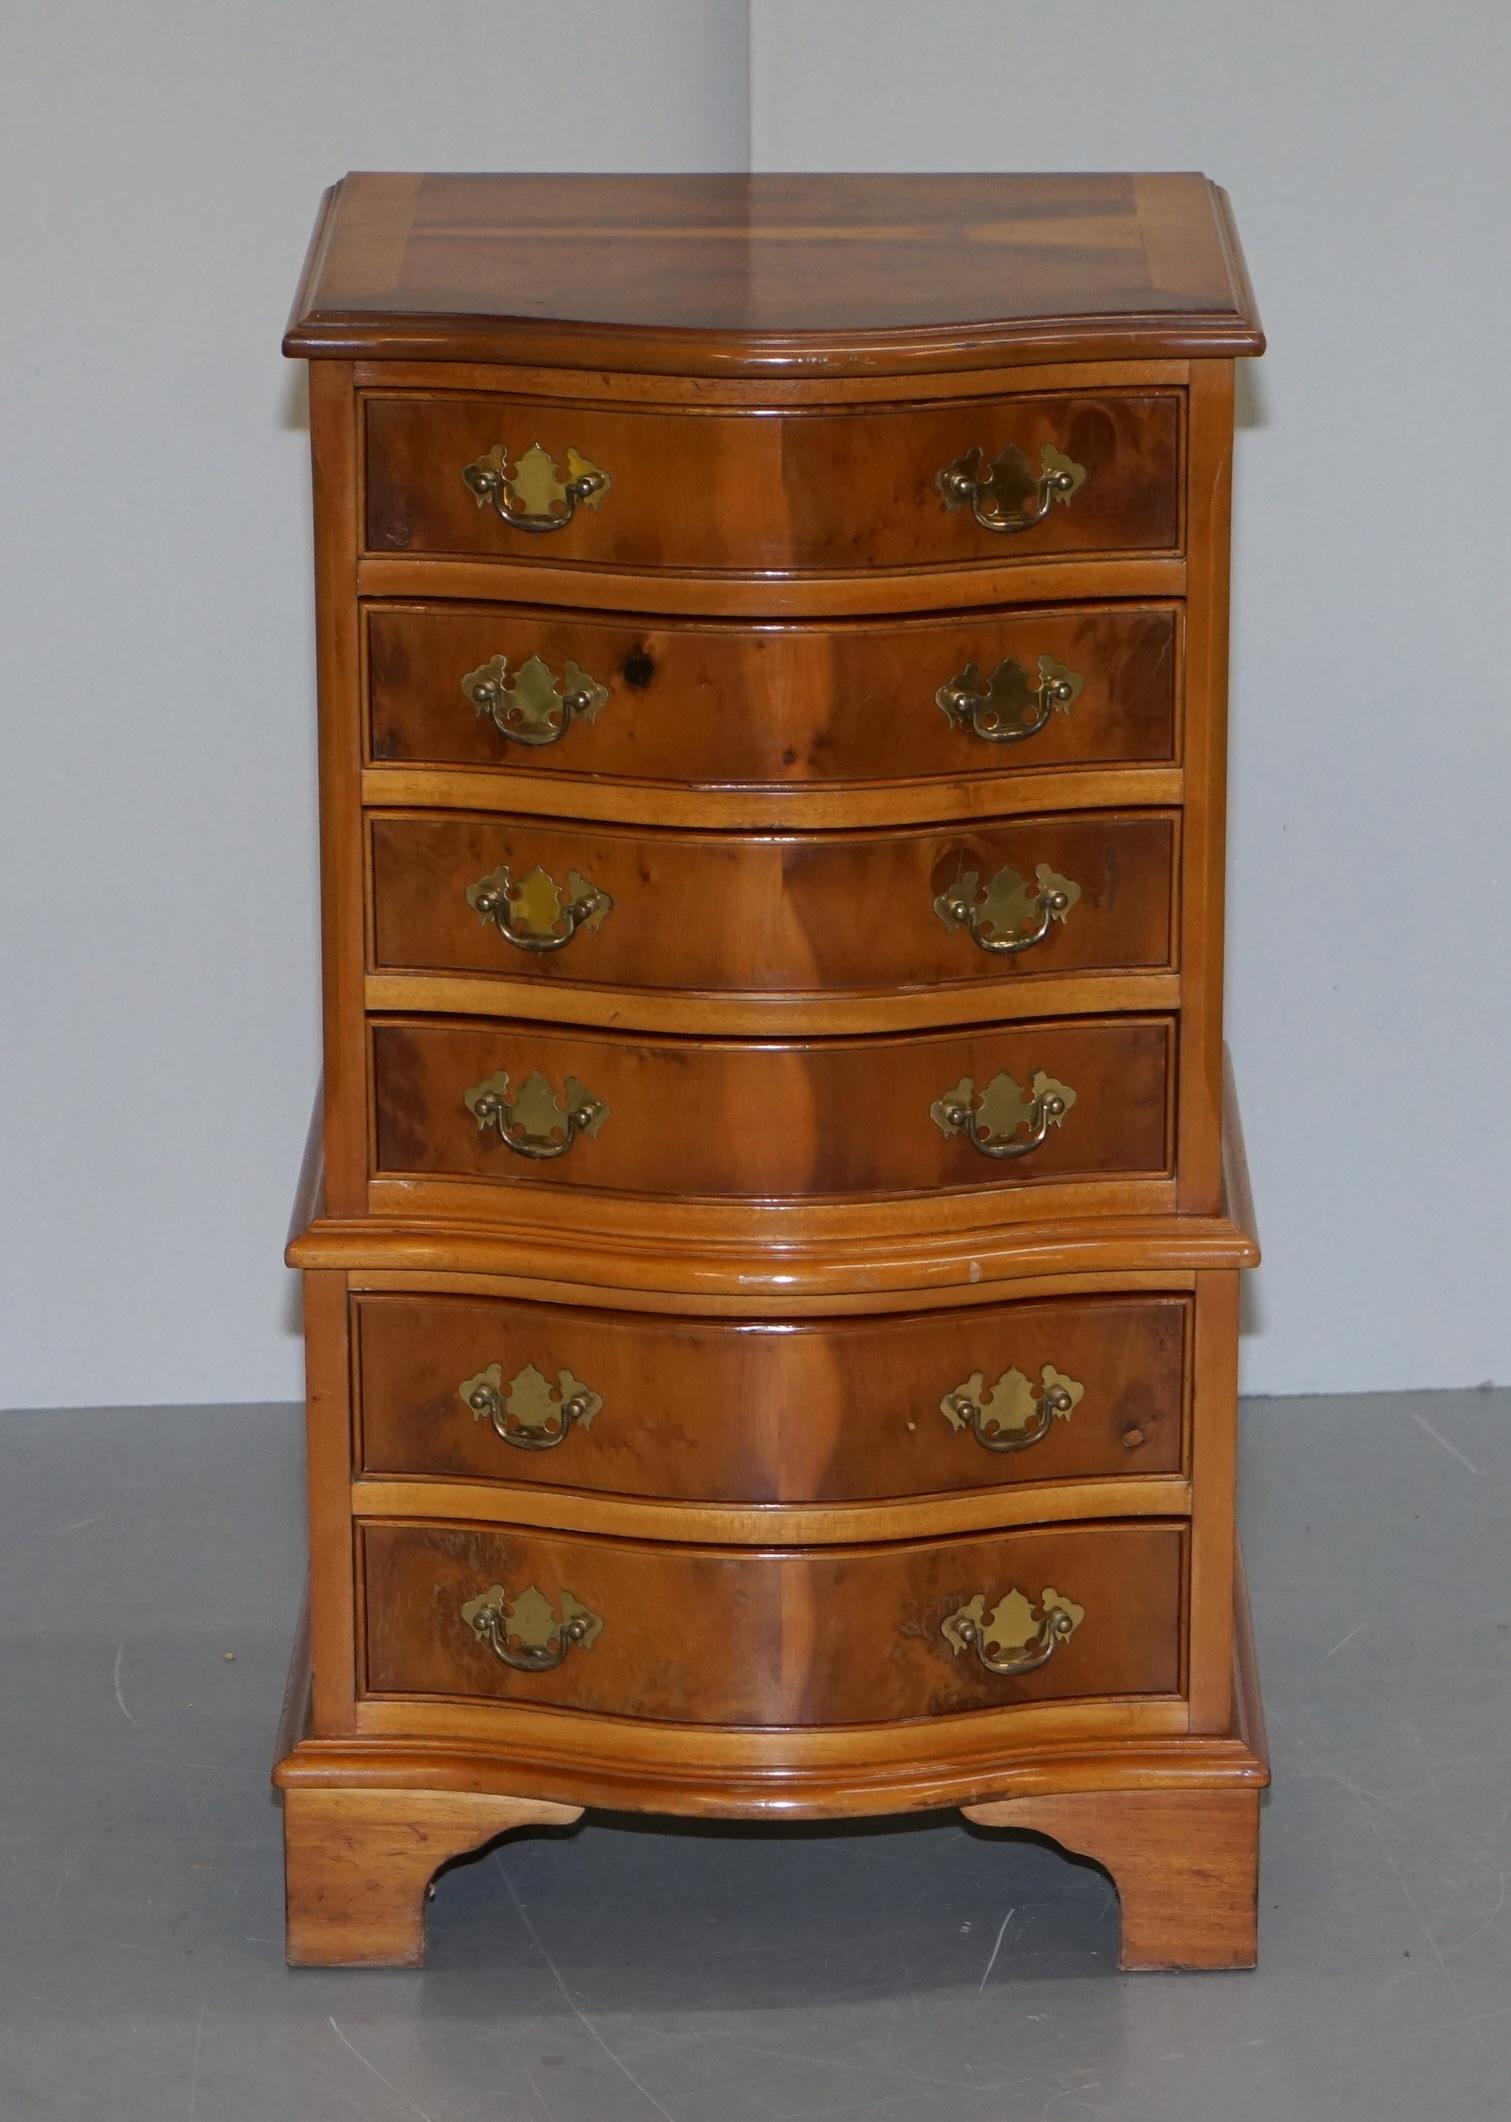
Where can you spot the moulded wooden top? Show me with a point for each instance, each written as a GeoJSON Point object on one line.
{"type": "Point", "coordinates": [774, 275]}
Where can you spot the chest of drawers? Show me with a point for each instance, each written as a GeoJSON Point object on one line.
{"type": "Point", "coordinates": [772, 1239]}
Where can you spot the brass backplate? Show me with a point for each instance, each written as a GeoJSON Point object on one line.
{"type": "Point", "coordinates": [1013, 1404]}
{"type": "Point", "coordinates": [1012, 1625]}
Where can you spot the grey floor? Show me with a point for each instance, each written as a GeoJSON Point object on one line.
{"type": "Point", "coordinates": [918, 1973]}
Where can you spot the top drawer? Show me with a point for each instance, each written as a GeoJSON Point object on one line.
{"type": "Point", "coordinates": [1046, 476]}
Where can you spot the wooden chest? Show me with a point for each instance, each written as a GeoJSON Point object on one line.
{"type": "Point", "coordinates": [771, 1258]}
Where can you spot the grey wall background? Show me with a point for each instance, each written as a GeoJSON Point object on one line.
{"type": "Point", "coordinates": [162, 166]}
{"type": "Point", "coordinates": [1368, 154]}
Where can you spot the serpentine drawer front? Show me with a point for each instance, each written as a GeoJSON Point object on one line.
{"type": "Point", "coordinates": [771, 1244]}
{"type": "Point", "coordinates": [771, 1411]}
{"type": "Point", "coordinates": [996, 694]}
{"type": "Point", "coordinates": [814, 912]}
{"type": "Point", "coordinates": [778, 1121]}
{"type": "Point", "coordinates": [704, 1636]}
{"type": "Point", "coordinates": [1018, 477]}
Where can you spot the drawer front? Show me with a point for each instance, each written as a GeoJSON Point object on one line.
{"type": "Point", "coordinates": [1087, 892]}
{"type": "Point", "coordinates": [726, 1411]}
{"type": "Point", "coordinates": [789, 1120]}
{"type": "Point", "coordinates": [772, 492]}
{"type": "Point", "coordinates": [706, 1636]}
{"type": "Point", "coordinates": [769, 706]}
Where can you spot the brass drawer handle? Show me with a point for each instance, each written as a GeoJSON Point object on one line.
{"type": "Point", "coordinates": [534, 496]}
{"type": "Point", "coordinates": [1006, 496]}
{"type": "Point", "coordinates": [1004, 1121]}
{"type": "Point", "coordinates": [531, 914]}
{"type": "Point", "coordinates": [1010, 1416]}
{"type": "Point", "coordinates": [1007, 708]}
{"type": "Point", "coordinates": [1010, 915]}
{"type": "Point", "coordinates": [539, 1123]}
{"type": "Point", "coordinates": [534, 709]}
{"type": "Point", "coordinates": [528, 1633]}
{"type": "Point", "coordinates": [1009, 1640]}
{"type": "Point", "coordinates": [528, 1412]}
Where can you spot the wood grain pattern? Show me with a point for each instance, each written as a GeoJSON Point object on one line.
{"type": "Point", "coordinates": [783, 1260]}
{"type": "Point", "coordinates": [768, 1262]}
{"type": "Point", "coordinates": [357, 1864]}
{"type": "Point", "coordinates": [772, 1122]}
{"type": "Point", "coordinates": [858, 592]}
{"type": "Point", "coordinates": [729, 706]}
{"type": "Point", "coordinates": [1214, 1457]}
{"type": "Point", "coordinates": [815, 1271]}
{"type": "Point", "coordinates": [795, 1014]}
{"type": "Point", "coordinates": [1185, 1865]}
{"type": "Point", "coordinates": [334, 474]}
{"type": "Point", "coordinates": [774, 274]}
{"type": "Point", "coordinates": [329, 1463]}
{"type": "Point", "coordinates": [825, 387]}
{"type": "Point", "coordinates": [824, 914]}
{"type": "Point", "coordinates": [757, 1411]}
{"type": "Point", "coordinates": [755, 1525]}
{"type": "Point", "coordinates": [830, 1638]}
{"type": "Point", "coordinates": [786, 492]}
{"type": "Point", "coordinates": [849, 806]}
{"type": "Point", "coordinates": [576, 1757]}
{"type": "Point", "coordinates": [1204, 848]}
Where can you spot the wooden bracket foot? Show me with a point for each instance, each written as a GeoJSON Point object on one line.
{"type": "Point", "coordinates": [1185, 1864]}
{"type": "Point", "coordinates": [357, 1863]}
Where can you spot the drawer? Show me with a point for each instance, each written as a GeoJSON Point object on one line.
{"type": "Point", "coordinates": [762, 1411]}
{"type": "Point", "coordinates": [766, 706]}
{"type": "Point", "coordinates": [1085, 892]}
{"type": "Point", "coordinates": [774, 492]}
{"type": "Point", "coordinates": [859, 1635]}
{"type": "Point", "coordinates": [779, 1120]}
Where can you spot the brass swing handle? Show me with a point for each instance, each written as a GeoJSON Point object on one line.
{"type": "Point", "coordinates": [1005, 495]}
{"type": "Point", "coordinates": [534, 496]}
{"type": "Point", "coordinates": [536, 1122]}
{"type": "Point", "coordinates": [524, 1412]}
{"type": "Point", "coordinates": [1007, 708]}
{"type": "Point", "coordinates": [971, 1415]}
{"type": "Point", "coordinates": [1010, 916]}
{"type": "Point", "coordinates": [534, 710]}
{"type": "Point", "coordinates": [537, 899]}
{"type": "Point", "coordinates": [528, 1633]}
{"type": "Point", "coordinates": [1004, 1121]}
{"type": "Point", "coordinates": [972, 1629]}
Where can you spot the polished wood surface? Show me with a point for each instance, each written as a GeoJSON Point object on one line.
{"type": "Point", "coordinates": [576, 1756]}
{"type": "Point", "coordinates": [759, 1411]}
{"type": "Point", "coordinates": [755, 1525]}
{"type": "Point", "coordinates": [357, 1864]}
{"type": "Point", "coordinates": [327, 1369]}
{"type": "Point", "coordinates": [1181, 1850]}
{"type": "Point", "coordinates": [1186, 1866]}
{"type": "Point", "coordinates": [826, 914]}
{"type": "Point", "coordinates": [822, 1261]}
{"type": "Point", "coordinates": [773, 274]}
{"type": "Point", "coordinates": [1214, 1480]}
{"type": "Point", "coordinates": [703, 1636]}
{"type": "Point", "coordinates": [777, 492]}
{"type": "Point", "coordinates": [334, 476]}
{"type": "Point", "coordinates": [772, 1122]}
{"type": "Point", "coordinates": [628, 386]}
{"type": "Point", "coordinates": [770, 1272]}
{"type": "Point", "coordinates": [792, 1013]}
{"type": "Point", "coordinates": [1003, 579]}
{"type": "Point", "coordinates": [731, 706]}
{"type": "Point", "coordinates": [815, 1272]}
{"type": "Point", "coordinates": [1204, 838]}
